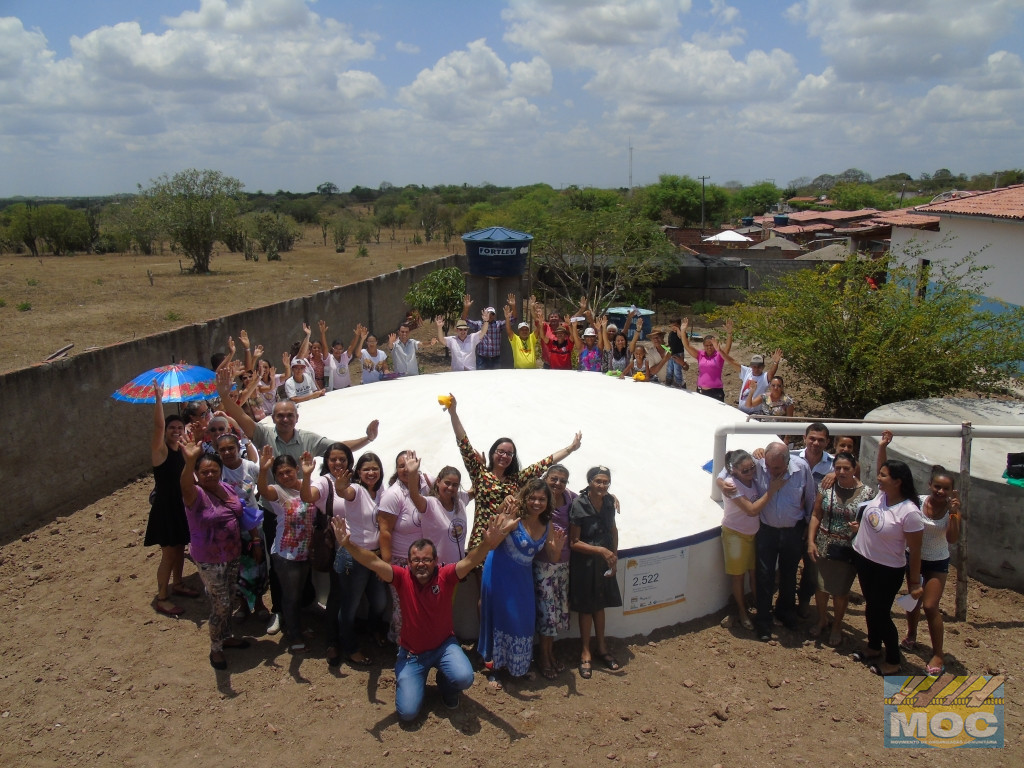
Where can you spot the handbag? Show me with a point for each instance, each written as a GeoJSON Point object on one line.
{"type": "Point", "coordinates": [323, 545]}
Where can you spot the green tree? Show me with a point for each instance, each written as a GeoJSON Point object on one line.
{"type": "Point", "coordinates": [439, 293]}
{"type": "Point", "coordinates": [756, 199]}
{"type": "Point", "coordinates": [867, 333]}
{"type": "Point", "coordinates": [62, 229]}
{"type": "Point", "coordinates": [601, 255]}
{"type": "Point", "coordinates": [23, 226]}
{"type": "Point", "coordinates": [194, 209]}
{"type": "Point", "coordinates": [850, 197]}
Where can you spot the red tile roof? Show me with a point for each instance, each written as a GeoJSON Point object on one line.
{"type": "Point", "coordinates": [1006, 203]}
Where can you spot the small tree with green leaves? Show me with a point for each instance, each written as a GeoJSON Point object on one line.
{"type": "Point", "coordinates": [439, 293]}
{"type": "Point", "coordinates": [867, 333]}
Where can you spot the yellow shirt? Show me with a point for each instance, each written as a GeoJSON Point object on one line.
{"type": "Point", "coordinates": [524, 352]}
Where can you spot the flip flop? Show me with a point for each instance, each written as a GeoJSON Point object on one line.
{"type": "Point", "coordinates": [364, 662]}
{"type": "Point", "coordinates": [549, 672]}
{"type": "Point", "coordinates": [862, 656]}
{"type": "Point", "coordinates": [492, 681]}
{"type": "Point", "coordinates": [610, 662]}
{"type": "Point", "coordinates": [174, 610]}
{"type": "Point", "coordinates": [908, 645]}
{"type": "Point", "coordinates": [935, 671]}
{"type": "Point", "coordinates": [876, 669]}
{"type": "Point", "coordinates": [586, 670]}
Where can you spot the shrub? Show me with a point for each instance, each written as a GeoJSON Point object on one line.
{"type": "Point", "coordinates": [24, 306]}
{"type": "Point", "coordinates": [703, 307]}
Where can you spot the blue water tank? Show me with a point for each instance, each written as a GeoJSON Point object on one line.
{"type": "Point", "coordinates": [781, 221]}
{"type": "Point", "coordinates": [497, 252]}
{"type": "Point", "coordinates": [748, 221]}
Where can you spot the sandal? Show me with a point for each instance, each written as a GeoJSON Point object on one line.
{"type": "Point", "coordinates": [876, 669]}
{"type": "Point", "coordinates": [365, 661]}
{"type": "Point", "coordinates": [610, 662]}
{"type": "Point", "coordinates": [746, 623]}
{"type": "Point", "coordinates": [934, 671]}
{"type": "Point", "coordinates": [908, 644]}
{"type": "Point", "coordinates": [586, 670]}
{"type": "Point", "coordinates": [492, 681]}
{"type": "Point", "coordinates": [166, 607]}
{"type": "Point", "coordinates": [549, 673]}
{"type": "Point", "coordinates": [181, 589]}
{"type": "Point", "coordinates": [864, 656]}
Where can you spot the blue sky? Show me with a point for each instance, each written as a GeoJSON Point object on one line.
{"type": "Point", "coordinates": [96, 97]}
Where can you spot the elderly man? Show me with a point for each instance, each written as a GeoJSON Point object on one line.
{"type": "Point", "coordinates": [488, 352]}
{"type": "Point", "coordinates": [284, 437]}
{"type": "Point", "coordinates": [425, 594]}
{"type": "Point", "coordinates": [463, 344]}
{"type": "Point", "coordinates": [782, 536]}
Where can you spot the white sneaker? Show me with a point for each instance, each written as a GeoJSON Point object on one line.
{"type": "Point", "coordinates": [275, 624]}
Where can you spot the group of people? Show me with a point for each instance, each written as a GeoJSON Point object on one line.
{"type": "Point", "coordinates": [784, 507]}
{"type": "Point", "coordinates": [260, 506]}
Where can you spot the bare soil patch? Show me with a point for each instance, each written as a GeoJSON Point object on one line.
{"type": "Point", "coordinates": [93, 676]}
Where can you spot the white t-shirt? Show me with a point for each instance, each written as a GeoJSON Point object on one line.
{"type": "Point", "coordinates": [307, 386]}
{"type": "Point", "coordinates": [734, 518]}
{"type": "Point", "coordinates": [933, 544]}
{"type": "Point", "coordinates": [446, 529]}
{"type": "Point", "coordinates": [371, 365]}
{"type": "Point", "coordinates": [408, 528]}
{"type": "Point", "coordinates": [883, 528]}
{"type": "Point", "coordinates": [404, 357]}
{"type": "Point", "coordinates": [463, 352]}
{"type": "Point", "coordinates": [749, 381]}
{"type": "Point", "coordinates": [360, 514]}
{"type": "Point", "coordinates": [337, 376]}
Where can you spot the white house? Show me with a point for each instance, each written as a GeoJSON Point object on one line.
{"type": "Point", "coordinates": [993, 221]}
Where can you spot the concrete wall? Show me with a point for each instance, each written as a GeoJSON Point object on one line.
{"type": "Point", "coordinates": [69, 443]}
{"type": "Point", "coordinates": [721, 284]}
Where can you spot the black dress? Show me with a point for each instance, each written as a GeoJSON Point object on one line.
{"type": "Point", "coordinates": [168, 526]}
{"type": "Point", "coordinates": [589, 589]}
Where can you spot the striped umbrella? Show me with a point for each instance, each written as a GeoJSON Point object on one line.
{"type": "Point", "coordinates": [181, 383]}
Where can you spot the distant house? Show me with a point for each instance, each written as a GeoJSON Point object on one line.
{"type": "Point", "coordinates": [991, 224]}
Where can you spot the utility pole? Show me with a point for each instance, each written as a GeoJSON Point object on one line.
{"type": "Point", "coordinates": [702, 179]}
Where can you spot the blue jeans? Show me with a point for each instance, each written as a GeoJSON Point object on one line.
{"type": "Point", "coordinates": [454, 674]}
{"type": "Point", "coordinates": [349, 581]}
{"type": "Point", "coordinates": [488, 363]}
{"type": "Point", "coordinates": [785, 545]}
{"type": "Point", "coordinates": [674, 374]}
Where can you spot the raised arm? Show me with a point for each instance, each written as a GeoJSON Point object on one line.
{"type": "Point", "coordinates": [460, 431]}
{"type": "Point", "coordinates": [233, 409]}
{"type": "Point", "coordinates": [883, 451]}
{"type": "Point", "coordinates": [412, 467]}
{"type": "Point", "coordinates": [725, 354]}
{"type": "Point", "coordinates": [307, 492]}
{"type": "Point", "coordinates": [559, 455]}
{"type": "Point", "coordinates": [508, 323]}
{"type": "Point", "coordinates": [501, 525]}
{"type": "Point", "coordinates": [361, 442]}
{"type": "Point", "coordinates": [322, 325]}
{"type": "Point", "coordinates": [467, 302]}
{"type": "Point", "coordinates": [638, 329]}
{"type": "Point", "coordinates": [304, 346]}
{"type": "Point", "coordinates": [774, 367]}
{"type": "Point", "coordinates": [439, 322]}
{"type": "Point", "coordinates": [727, 347]}
{"type": "Point", "coordinates": [364, 557]}
{"type": "Point", "coordinates": [682, 332]}
{"type": "Point", "coordinates": [266, 462]}
{"type": "Point", "coordinates": [359, 333]}
{"type": "Point", "coordinates": [243, 337]}
{"type": "Point", "coordinates": [192, 453]}
{"type": "Point", "coordinates": [157, 445]}
{"type": "Point", "coordinates": [573, 333]}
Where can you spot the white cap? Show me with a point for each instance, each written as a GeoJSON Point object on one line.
{"type": "Point", "coordinates": [590, 332]}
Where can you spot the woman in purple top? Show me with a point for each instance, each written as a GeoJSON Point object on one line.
{"type": "Point", "coordinates": [214, 513]}
{"type": "Point", "coordinates": [551, 575]}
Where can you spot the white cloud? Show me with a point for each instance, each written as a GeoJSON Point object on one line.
{"type": "Point", "coordinates": [410, 48]}
{"type": "Point", "coordinates": [909, 39]}
{"type": "Point", "coordinates": [476, 83]}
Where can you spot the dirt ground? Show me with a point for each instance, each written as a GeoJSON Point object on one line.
{"type": "Point", "coordinates": [91, 675]}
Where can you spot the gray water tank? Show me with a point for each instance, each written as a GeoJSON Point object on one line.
{"type": "Point", "coordinates": [996, 530]}
{"type": "Point", "coordinates": [497, 252]}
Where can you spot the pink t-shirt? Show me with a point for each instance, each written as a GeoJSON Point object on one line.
{"type": "Point", "coordinates": [213, 525]}
{"type": "Point", "coordinates": [409, 524]}
{"type": "Point", "coordinates": [883, 528]}
{"type": "Point", "coordinates": [360, 514]}
{"type": "Point", "coordinates": [709, 370]}
{"type": "Point", "coordinates": [734, 518]}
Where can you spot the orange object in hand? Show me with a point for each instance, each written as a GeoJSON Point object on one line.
{"type": "Point", "coordinates": [445, 400]}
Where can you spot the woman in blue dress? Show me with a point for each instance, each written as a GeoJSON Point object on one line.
{"type": "Point", "coordinates": [507, 604]}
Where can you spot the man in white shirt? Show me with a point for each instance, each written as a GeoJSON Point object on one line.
{"type": "Point", "coordinates": [403, 351]}
{"type": "Point", "coordinates": [755, 377]}
{"type": "Point", "coordinates": [463, 344]}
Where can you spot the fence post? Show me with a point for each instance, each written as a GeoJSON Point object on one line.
{"type": "Point", "coordinates": [965, 514]}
